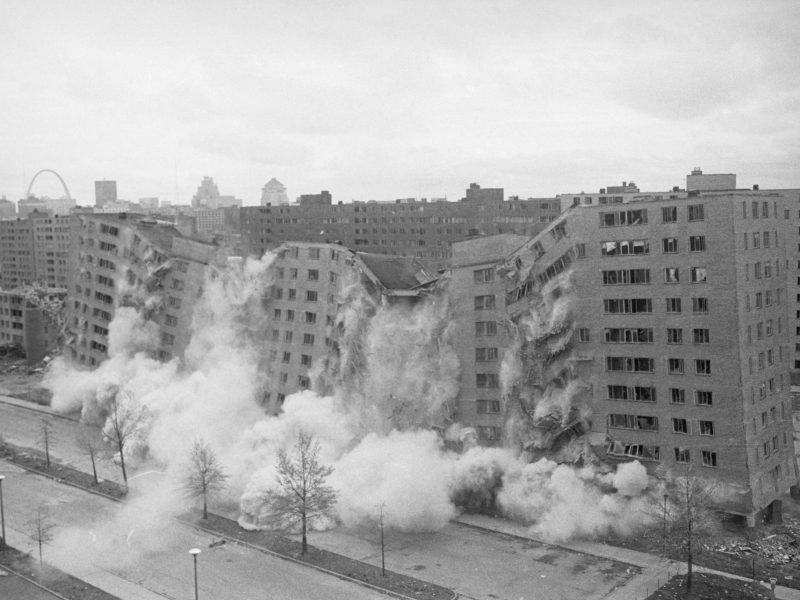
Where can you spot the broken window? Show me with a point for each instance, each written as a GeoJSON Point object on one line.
{"type": "Point", "coordinates": [698, 274]}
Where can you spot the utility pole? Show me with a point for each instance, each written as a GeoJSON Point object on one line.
{"type": "Point", "coordinates": [664, 534]}
{"type": "Point", "coordinates": [383, 545]}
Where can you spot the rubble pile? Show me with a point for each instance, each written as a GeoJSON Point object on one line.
{"type": "Point", "coordinates": [778, 548]}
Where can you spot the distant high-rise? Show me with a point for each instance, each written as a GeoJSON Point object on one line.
{"type": "Point", "coordinates": [105, 192]}
{"type": "Point", "coordinates": [207, 194]}
{"type": "Point", "coordinates": [274, 193]}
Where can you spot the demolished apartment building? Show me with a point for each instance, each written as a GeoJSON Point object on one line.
{"type": "Point", "coordinates": [131, 260]}
{"type": "Point", "coordinates": [318, 306]}
{"type": "Point", "coordinates": [659, 328]}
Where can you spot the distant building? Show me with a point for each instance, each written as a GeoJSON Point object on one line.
{"type": "Point", "coordinates": [105, 192]}
{"type": "Point", "coordinates": [477, 194]}
{"type": "Point", "coordinates": [324, 198]}
{"type": "Point", "coordinates": [29, 320]}
{"type": "Point", "coordinates": [207, 194]}
{"type": "Point", "coordinates": [148, 203]}
{"type": "Point", "coordinates": [8, 209]}
{"type": "Point", "coordinates": [34, 249]}
{"type": "Point", "coordinates": [129, 260]}
{"type": "Point", "coordinates": [53, 206]}
{"type": "Point", "coordinates": [274, 193]}
{"type": "Point", "coordinates": [697, 181]}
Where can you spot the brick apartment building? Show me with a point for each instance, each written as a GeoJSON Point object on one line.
{"type": "Point", "coordinates": [130, 260]}
{"type": "Point", "coordinates": [34, 249]}
{"type": "Point", "coordinates": [679, 313]}
{"type": "Point", "coordinates": [404, 227]}
{"type": "Point", "coordinates": [27, 324]}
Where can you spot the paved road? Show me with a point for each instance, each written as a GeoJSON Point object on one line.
{"type": "Point", "coordinates": [94, 543]}
{"type": "Point", "coordinates": [21, 426]}
{"type": "Point", "coordinates": [16, 588]}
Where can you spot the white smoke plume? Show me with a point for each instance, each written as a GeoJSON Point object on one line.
{"type": "Point", "coordinates": [397, 375]}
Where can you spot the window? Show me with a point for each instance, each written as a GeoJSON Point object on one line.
{"type": "Point", "coordinates": [624, 247]}
{"type": "Point", "coordinates": [171, 321]}
{"type": "Point", "coordinates": [635, 393]}
{"type": "Point", "coordinates": [485, 354]}
{"type": "Point", "coordinates": [332, 276]}
{"type": "Point", "coordinates": [583, 334]}
{"type": "Point", "coordinates": [622, 335]}
{"type": "Point", "coordinates": [759, 300]}
{"type": "Point", "coordinates": [709, 458]}
{"type": "Point", "coordinates": [699, 305]}
{"type": "Point", "coordinates": [277, 293]}
{"type": "Point", "coordinates": [292, 294]}
{"type": "Point", "coordinates": [756, 240]}
{"type": "Point", "coordinates": [313, 253]}
{"type": "Point", "coordinates": [485, 328]}
{"type": "Point", "coordinates": [626, 276]}
{"type": "Point", "coordinates": [627, 305]}
{"type": "Point", "coordinates": [675, 366]}
{"type": "Point", "coordinates": [757, 270]}
{"type": "Point", "coordinates": [669, 214]}
{"type": "Point", "coordinates": [700, 336]}
{"type": "Point", "coordinates": [698, 274]}
{"type": "Point", "coordinates": [674, 336]}
{"type": "Point", "coordinates": [305, 360]}
{"type": "Point", "coordinates": [706, 427]}
{"type": "Point", "coordinates": [640, 422]}
{"type": "Point", "coordinates": [488, 406]}
{"type": "Point", "coordinates": [167, 339]}
{"type": "Point", "coordinates": [623, 217]}
{"type": "Point", "coordinates": [310, 316]}
{"type": "Point", "coordinates": [671, 275]}
{"type": "Point", "coordinates": [702, 366]}
{"type": "Point", "coordinates": [487, 433]}
{"type": "Point", "coordinates": [696, 212]}
{"type": "Point", "coordinates": [487, 380]}
{"type": "Point", "coordinates": [673, 305]}
{"type": "Point", "coordinates": [682, 455]}
{"type": "Point", "coordinates": [311, 296]}
{"type": "Point", "coordinates": [677, 396]}
{"type": "Point", "coordinates": [287, 356]}
{"type": "Point", "coordinates": [174, 302]}
{"type": "Point", "coordinates": [697, 243]}
{"type": "Point", "coordinates": [580, 250]}
{"type": "Point", "coordinates": [313, 275]}
{"type": "Point", "coordinates": [292, 273]}
{"type": "Point", "coordinates": [483, 275]}
{"type": "Point", "coordinates": [766, 239]}
{"type": "Point", "coordinates": [680, 426]}
{"type": "Point", "coordinates": [630, 364]}
{"type": "Point", "coordinates": [290, 314]}
{"type": "Point", "coordinates": [669, 245]}
{"type": "Point", "coordinates": [703, 398]}
{"type": "Point", "coordinates": [484, 302]}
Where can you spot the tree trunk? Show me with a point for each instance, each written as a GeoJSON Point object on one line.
{"type": "Point", "coordinates": [40, 552]}
{"type": "Point", "coordinates": [205, 507]}
{"type": "Point", "coordinates": [47, 450]}
{"type": "Point", "coordinates": [122, 464]}
{"type": "Point", "coordinates": [94, 469]}
{"type": "Point", "coordinates": [305, 541]}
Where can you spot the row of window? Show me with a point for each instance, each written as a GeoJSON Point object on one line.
{"type": "Point", "coordinates": [640, 393]}
{"type": "Point", "coordinates": [645, 305]}
{"type": "Point", "coordinates": [644, 335]}
{"type": "Point", "coordinates": [308, 317]}
{"type": "Point", "coordinates": [638, 364]}
{"type": "Point", "coordinates": [669, 214]}
{"type": "Point", "coordinates": [650, 423]}
{"type": "Point", "coordinates": [288, 337]}
{"type": "Point", "coordinates": [642, 276]}
{"type": "Point", "coordinates": [291, 293]}
{"type": "Point", "coordinates": [311, 274]}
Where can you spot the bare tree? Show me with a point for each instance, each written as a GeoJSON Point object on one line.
{"type": "Point", "coordinates": [45, 438]}
{"type": "Point", "coordinates": [40, 528]}
{"type": "Point", "coordinates": [204, 474]}
{"type": "Point", "coordinates": [686, 515]}
{"type": "Point", "coordinates": [125, 418]}
{"type": "Point", "coordinates": [302, 496]}
{"type": "Point", "coordinates": [92, 447]}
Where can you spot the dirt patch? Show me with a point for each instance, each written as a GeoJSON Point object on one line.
{"type": "Point", "coordinates": [51, 578]}
{"type": "Point", "coordinates": [709, 587]}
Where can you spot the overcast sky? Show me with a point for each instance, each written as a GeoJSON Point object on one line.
{"type": "Point", "coordinates": [383, 100]}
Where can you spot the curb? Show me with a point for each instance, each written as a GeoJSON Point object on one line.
{"type": "Point", "coordinates": [36, 583]}
{"type": "Point", "coordinates": [297, 561]}
{"type": "Point", "coordinates": [39, 408]}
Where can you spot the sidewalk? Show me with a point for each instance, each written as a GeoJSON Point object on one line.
{"type": "Point", "coordinates": [655, 570]}
{"type": "Point", "coordinates": [37, 408]}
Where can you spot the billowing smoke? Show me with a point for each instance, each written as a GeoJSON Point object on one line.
{"type": "Point", "coordinates": [381, 401]}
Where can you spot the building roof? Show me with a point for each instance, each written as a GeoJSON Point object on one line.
{"type": "Point", "coordinates": [396, 272]}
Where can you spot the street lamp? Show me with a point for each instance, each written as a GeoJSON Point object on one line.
{"type": "Point", "coordinates": [194, 552]}
{"type": "Point", "coordinates": [2, 516]}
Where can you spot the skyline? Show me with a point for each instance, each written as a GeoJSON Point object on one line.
{"type": "Point", "coordinates": [386, 100]}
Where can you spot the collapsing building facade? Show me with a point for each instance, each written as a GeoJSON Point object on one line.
{"type": "Point", "coordinates": [610, 338]}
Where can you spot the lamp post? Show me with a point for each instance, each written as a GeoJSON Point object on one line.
{"type": "Point", "coordinates": [2, 516]}
{"type": "Point", "coordinates": [664, 532]}
{"type": "Point", "coordinates": [194, 552]}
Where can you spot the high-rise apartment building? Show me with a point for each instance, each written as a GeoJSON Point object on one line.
{"type": "Point", "coordinates": [127, 260]}
{"type": "Point", "coordinates": [34, 249]}
{"type": "Point", "coordinates": [678, 350]}
{"type": "Point", "coordinates": [105, 192]}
